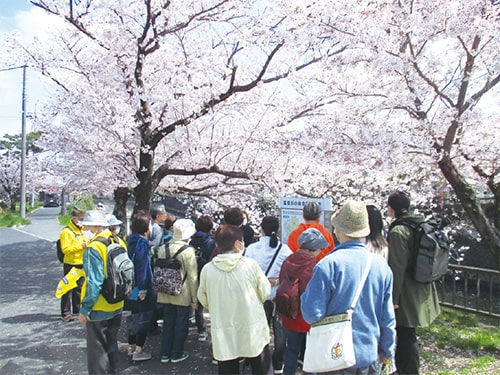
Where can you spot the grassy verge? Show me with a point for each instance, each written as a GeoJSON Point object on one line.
{"type": "Point", "coordinates": [460, 343]}
{"type": "Point", "coordinates": [11, 219]}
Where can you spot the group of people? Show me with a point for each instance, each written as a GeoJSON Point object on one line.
{"type": "Point", "coordinates": [237, 282]}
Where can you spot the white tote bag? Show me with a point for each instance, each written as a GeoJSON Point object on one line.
{"type": "Point", "coordinates": [329, 345]}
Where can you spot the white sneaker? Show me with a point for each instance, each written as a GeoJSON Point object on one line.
{"type": "Point", "coordinates": [141, 356]}
{"type": "Point", "coordinates": [202, 336]}
{"type": "Point", "coordinates": [279, 371]}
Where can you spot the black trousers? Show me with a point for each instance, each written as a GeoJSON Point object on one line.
{"type": "Point", "coordinates": [259, 365]}
{"type": "Point", "coordinates": [274, 320]}
{"type": "Point", "coordinates": [72, 298]}
{"type": "Point", "coordinates": [102, 346]}
{"type": "Point", "coordinates": [407, 357]}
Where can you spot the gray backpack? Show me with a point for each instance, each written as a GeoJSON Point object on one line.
{"type": "Point", "coordinates": [119, 281]}
{"type": "Point", "coordinates": [431, 250]}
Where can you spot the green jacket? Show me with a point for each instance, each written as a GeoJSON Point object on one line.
{"type": "Point", "coordinates": [418, 303]}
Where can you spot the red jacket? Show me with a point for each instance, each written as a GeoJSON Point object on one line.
{"type": "Point", "coordinates": [293, 238]}
{"type": "Point", "coordinates": [298, 265]}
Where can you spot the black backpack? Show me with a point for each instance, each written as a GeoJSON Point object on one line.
{"type": "Point", "coordinates": [119, 281]}
{"type": "Point", "coordinates": [431, 250]}
{"type": "Point", "coordinates": [200, 259]}
{"type": "Point", "coordinates": [60, 254]}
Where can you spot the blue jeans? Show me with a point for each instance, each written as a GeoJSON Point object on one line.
{"type": "Point", "coordinates": [175, 330]}
{"type": "Point", "coordinates": [294, 345]}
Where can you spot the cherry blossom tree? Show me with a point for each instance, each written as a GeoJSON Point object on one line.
{"type": "Point", "coordinates": [436, 70]}
{"type": "Point", "coordinates": [10, 162]}
{"type": "Point", "coordinates": [171, 93]}
{"type": "Point", "coordinates": [264, 98]}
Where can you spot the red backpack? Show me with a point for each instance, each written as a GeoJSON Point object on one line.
{"type": "Point", "coordinates": [288, 297]}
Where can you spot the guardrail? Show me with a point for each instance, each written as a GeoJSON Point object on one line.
{"type": "Point", "coordinates": [471, 289]}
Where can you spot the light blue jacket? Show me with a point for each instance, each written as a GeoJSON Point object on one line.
{"type": "Point", "coordinates": [331, 291]}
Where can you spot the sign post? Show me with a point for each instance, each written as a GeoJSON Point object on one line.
{"type": "Point", "coordinates": [291, 213]}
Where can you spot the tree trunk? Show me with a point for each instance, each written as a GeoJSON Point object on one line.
{"type": "Point", "coordinates": [121, 196]}
{"type": "Point", "coordinates": [144, 190]}
{"type": "Point", "coordinates": [12, 203]}
{"type": "Point", "coordinates": [465, 193]}
{"type": "Point", "coordinates": [63, 201]}
{"type": "Point", "coordinates": [143, 195]}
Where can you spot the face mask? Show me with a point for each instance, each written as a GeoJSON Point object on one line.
{"type": "Point", "coordinates": [116, 230]}
{"type": "Point", "coordinates": [88, 234]}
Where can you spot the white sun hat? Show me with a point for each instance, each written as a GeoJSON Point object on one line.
{"type": "Point", "coordinates": [95, 217]}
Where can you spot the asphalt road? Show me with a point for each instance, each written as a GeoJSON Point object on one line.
{"type": "Point", "coordinates": [33, 339]}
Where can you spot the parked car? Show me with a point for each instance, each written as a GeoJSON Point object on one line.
{"type": "Point", "coordinates": [51, 200]}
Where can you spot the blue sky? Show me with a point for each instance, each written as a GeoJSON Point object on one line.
{"type": "Point", "coordinates": [11, 12]}
{"type": "Point", "coordinates": [9, 8]}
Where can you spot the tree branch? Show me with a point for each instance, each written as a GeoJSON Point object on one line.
{"type": "Point", "coordinates": [436, 89]}
{"type": "Point", "coordinates": [469, 64]}
{"type": "Point", "coordinates": [164, 171]}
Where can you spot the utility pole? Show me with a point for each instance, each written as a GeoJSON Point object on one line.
{"type": "Point", "coordinates": [23, 150]}
{"type": "Point", "coordinates": [22, 208]}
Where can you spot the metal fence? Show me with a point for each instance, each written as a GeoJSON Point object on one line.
{"type": "Point", "coordinates": [471, 289]}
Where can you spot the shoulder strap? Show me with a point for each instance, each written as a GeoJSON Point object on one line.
{"type": "Point", "coordinates": [72, 231]}
{"type": "Point", "coordinates": [363, 279]}
{"type": "Point", "coordinates": [274, 258]}
{"type": "Point", "coordinates": [184, 247]}
{"type": "Point", "coordinates": [103, 240]}
{"type": "Point", "coordinates": [406, 223]}
{"type": "Point", "coordinates": [107, 241]}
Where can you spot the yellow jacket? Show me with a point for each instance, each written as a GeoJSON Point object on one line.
{"type": "Point", "coordinates": [72, 240]}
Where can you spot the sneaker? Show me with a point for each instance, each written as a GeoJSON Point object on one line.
{"type": "Point", "coordinates": [279, 370]}
{"type": "Point", "coordinates": [165, 359]}
{"type": "Point", "coordinates": [159, 322]}
{"type": "Point", "coordinates": [68, 318]}
{"type": "Point", "coordinates": [131, 349]}
{"type": "Point", "coordinates": [202, 336]}
{"type": "Point", "coordinates": [140, 356]}
{"type": "Point", "coordinates": [214, 361]}
{"type": "Point", "coordinates": [180, 359]}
